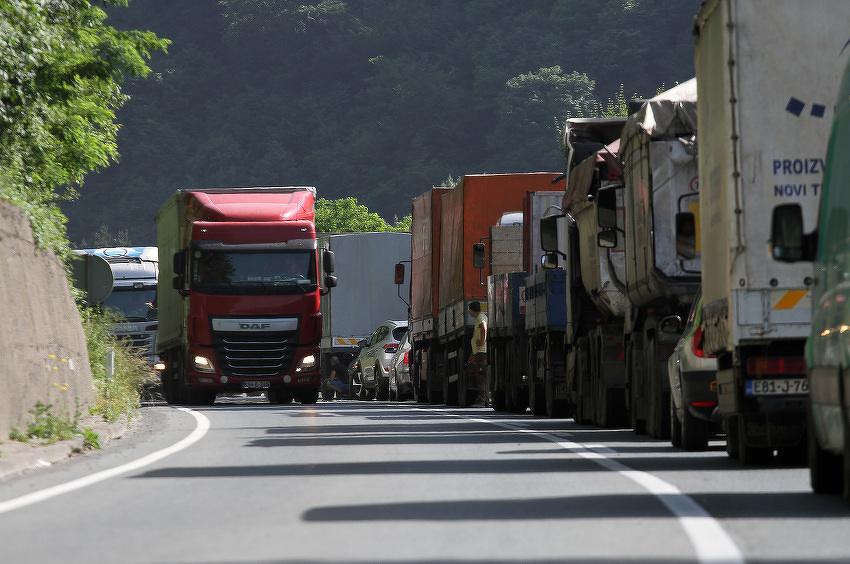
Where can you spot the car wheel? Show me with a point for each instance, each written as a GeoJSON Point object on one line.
{"type": "Point", "coordinates": [825, 468]}
{"type": "Point", "coordinates": [358, 390]}
{"type": "Point", "coordinates": [694, 431]}
{"type": "Point", "coordinates": [675, 426]}
{"type": "Point", "coordinates": [382, 388]}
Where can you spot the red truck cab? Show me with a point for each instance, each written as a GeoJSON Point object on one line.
{"type": "Point", "coordinates": [239, 294]}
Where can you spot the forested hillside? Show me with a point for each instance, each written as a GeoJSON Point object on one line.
{"type": "Point", "coordinates": [379, 99]}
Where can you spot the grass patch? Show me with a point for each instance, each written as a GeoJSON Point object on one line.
{"type": "Point", "coordinates": [117, 394]}
{"type": "Point", "coordinates": [49, 428]}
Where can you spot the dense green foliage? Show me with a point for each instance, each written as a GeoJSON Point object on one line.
{"type": "Point", "coordinates": [377, 99]}
{"type": "Point", "coordinates": [117, 394]}
{"type": "Point", "coordinates": [346, 215]}
{"type": "Point", "coordinates": [61, 67]}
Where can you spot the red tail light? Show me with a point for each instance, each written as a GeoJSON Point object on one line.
{"type": "Point", "coordinates": [390, 348]}
{"type": "Point", "coordinates": [696, 344]}
{"type": "Point", "coordinates": [406, 358]}
{"type": "Point", "coordinates": [776, 365]}
{"type": "Point", "coordinates": [704, 403]}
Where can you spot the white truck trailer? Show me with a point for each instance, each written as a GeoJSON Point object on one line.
{"type": "Point", "coordinates": [768, 73]}
{"type": "Point", "coordinates": [367, 294]}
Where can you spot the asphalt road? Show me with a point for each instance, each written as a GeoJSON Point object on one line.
{"type": "Point", "coordinates": [369, 482]}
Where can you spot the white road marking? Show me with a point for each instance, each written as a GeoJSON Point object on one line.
{"type": "Point", "coordinates": [711, 543]}
{"type": "Point", "coordinates": [201, 428]}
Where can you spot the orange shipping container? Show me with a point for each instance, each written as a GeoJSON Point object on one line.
{"type": "Point", "coordinates": [468, 211]}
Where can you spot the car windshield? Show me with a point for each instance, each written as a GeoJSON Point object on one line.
{"type": "Point", "coordinates": [239, 272]}
{"type": "Point", "coordinates": [133, 304]}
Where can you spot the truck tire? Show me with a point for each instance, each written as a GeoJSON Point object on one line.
{"type": "Point", "coordinates": [198, 397]}
{"type": "Point", "coordinates": [559, 408]}
{"type": "Point", "coordinates": [749, 455]}
{"type": "Point", "coordinates": [279, 396]}
{"type": "Point", "coordinates": [450, 389]}
{"type": "Point", "coordinates": [825, 468]}
{"type": "Point", "coordinates": [308, 397]}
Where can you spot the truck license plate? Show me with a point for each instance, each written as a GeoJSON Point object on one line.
{"type": "Point", "coordinates": [255, 385]}
{"type": "Point", "coordinates": [777, 387]}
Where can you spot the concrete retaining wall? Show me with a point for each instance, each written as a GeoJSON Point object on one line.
{"type": "Point", "coordinates": [42, 346]}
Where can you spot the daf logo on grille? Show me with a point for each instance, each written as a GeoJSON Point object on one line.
{"type": "Point", "coordinates": [255, 326]}
{"type": "Point", "coordinates": [266, 325]}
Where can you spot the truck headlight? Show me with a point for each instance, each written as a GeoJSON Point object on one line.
{"type": "Point", "coordinates": [308, 361]}
{"type": "Point", "coordinates": [202, 364]}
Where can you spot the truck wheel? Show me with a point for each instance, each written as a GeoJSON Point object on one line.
{"type": "Point", "coordinates": [694, 431]}
{"type": "Point", "coordinates": [279, 396]}
{"type": "Point", "coordinates": [748, 455]}
{"type": "Point", "coordinates": [825, 468]}
{"type": "Point", "coordinates": [308, 397]}
{"type": "Point", "coordinates": [499, 400]}
{"type": "Point", "coordinates": [169, 388]}
{"type": "Point", "coordinates": [198, 397]}
{"type": "Point", "coordinates": [675, 428]}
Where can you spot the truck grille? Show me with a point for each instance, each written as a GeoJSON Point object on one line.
{"type": "Point", "coordinates": [255, 354]}
{"type": "Point", "coordinates": [144, 342]}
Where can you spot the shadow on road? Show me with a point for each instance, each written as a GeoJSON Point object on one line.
{"type": "Point", "coordinates": [720, 505]}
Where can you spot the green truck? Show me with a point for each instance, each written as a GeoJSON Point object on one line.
{"type": "Point", "coordinates": [828, 346]}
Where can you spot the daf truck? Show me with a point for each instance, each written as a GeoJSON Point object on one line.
{"type": "Point", "coordinates": [239, 294]}
{"type": "Point", "coordinates": [768, 98]}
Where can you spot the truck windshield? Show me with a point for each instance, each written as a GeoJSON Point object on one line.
{"type": "Point", "coordinates": [240, 272]}
{"type": "Point", "coordinates": [133, 304]}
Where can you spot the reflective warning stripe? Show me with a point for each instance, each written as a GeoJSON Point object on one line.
{"type": "Point", "coordinates": [790, 299]}
{"type": "Point", "coordinates": [345, 341]}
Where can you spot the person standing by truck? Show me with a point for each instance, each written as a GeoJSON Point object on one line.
{"type": "Point", "coordinates": [478, 359]}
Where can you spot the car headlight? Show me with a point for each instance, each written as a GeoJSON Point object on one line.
{"type": "Point", "coordinates": [308, 361]}
{"type": "Point", "coordinates": [202, 364]}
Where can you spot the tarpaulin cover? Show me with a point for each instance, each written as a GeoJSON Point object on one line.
{"type": "Point", "coordinates": [670, 114]}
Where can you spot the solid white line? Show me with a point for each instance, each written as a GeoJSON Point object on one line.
{"type": "Point", "coordinates": [711, 543]}
{"type": "Point", "coordinates": [201, 428]}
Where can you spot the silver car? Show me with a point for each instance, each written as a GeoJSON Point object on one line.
{"type": "Point", "coordinates": [401, 387]}
{"type": "Point", "coordinates": [693, 397]}
{"type": "Point", "coordinates": [375, 355]}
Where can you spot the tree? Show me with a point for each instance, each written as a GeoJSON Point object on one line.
{"type": "Point", "coordinates": [61, 70]}
{"type": "Point", "coordinates": [345, 215]}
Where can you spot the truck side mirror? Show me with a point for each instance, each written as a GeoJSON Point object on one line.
{"type": "Point", "coordinates": [787, 240]}
{"type": "Point", "coordinates": [478, 255]}
{"type": "Point", "coordinates": [399, 273]}
{"type": "Point", "coordinates": [607, 238]}
{"type": "Point", "coordinates": [549, 261]}
{"type": "Point", "coordinates": [606, 208]}
{"type": "Point", "coordinates": [686, 235]}
{"type": "Point", "coordinates": [549, 234]}
{"type": "Point", "coordinates": [671, 324]}
{"type": "Point", "coordinates": [178, 265]}
{"type": "Point", "coordinates": [331, 281]}
{"type": "Point", "coordinates": [328, 262]}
